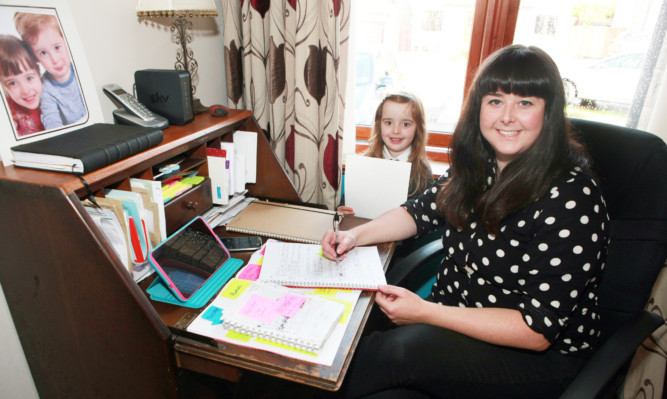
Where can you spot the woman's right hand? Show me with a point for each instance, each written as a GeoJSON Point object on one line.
{"type": "Point", "coordinates": [346, 241]}
{"type": "Point", "coordinates": [345, 210]}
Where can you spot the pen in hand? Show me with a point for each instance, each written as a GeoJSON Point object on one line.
{"type": "Point", "coordinates": [335, 223]}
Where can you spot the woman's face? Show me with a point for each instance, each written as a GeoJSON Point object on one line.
{"type": "Point", "coordinates": [511, 124]}
{"type": "Point", "coordinates": [397, 126]}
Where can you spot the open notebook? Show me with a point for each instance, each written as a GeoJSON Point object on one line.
{"type": "Point", "coordinates": [302, 265]}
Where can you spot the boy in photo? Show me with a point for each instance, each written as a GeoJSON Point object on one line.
{"type": "Point", "coordinates": [61, 101]}
{"type": "Point", "coordinates": [22, 85]}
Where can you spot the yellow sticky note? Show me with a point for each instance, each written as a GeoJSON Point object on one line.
{"type": "Point", "coordinates": [238, 336]}
{"type": "Point", "coordinates": [279, 345]}
{"type": "Point", "coordinates": [329, 292]}
{"type": "Point", "coordinates": [346, 313]}
{"type": "Point", "coordinates": [234, 288]}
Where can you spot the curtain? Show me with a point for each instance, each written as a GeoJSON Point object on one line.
{"type": "Point", "coordinates": [286, 61]}
{"type": "Point", "coordinates": [646, 377]}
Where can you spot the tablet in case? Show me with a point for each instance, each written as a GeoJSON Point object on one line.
{"type": "Point", "coordinates": [189, 259]}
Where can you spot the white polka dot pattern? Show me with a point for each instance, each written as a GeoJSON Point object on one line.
{"type": "Point", "coordinates": [545, 262]}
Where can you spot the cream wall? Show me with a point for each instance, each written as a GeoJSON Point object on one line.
{"type": "Point", "coordinates": [116, 43]}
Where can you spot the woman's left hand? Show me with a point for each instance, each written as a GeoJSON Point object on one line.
{"type": "Point", "coordinates": [400, 305]}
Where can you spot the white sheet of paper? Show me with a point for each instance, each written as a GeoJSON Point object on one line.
{"type": "Point", "coordinates": [246, 143]}
{"type": "Point", "coordinates": [375, 185]}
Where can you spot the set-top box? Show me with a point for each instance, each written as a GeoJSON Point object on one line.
{"type": "Point", "coordinates": [167, 92]}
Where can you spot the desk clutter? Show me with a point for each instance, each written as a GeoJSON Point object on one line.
{"type": "Point", "coordinates": [289, 299]}
{"type": "Point", "coordinates": [302, 323]}
{"type": "Point", "coordinates": [134, 221]}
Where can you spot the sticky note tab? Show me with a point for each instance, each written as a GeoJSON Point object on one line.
{"type": "Point", "coordinates": [250, 272]}
{"type": "Point", "coordinates": [289, 304]}
{"type": "Point", "coordinates": [259, 308]}
{"type": "Point", "coordinates": [213, 314]}
{"type": "Point", "coordinates": [235, 288]}
{"type": "Point", "coordinates": [238, 336]}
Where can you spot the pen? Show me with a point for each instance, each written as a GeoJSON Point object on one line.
{"type": "Point", "coordinates": [336, 221]}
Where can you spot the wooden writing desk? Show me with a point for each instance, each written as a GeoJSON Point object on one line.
{"type": "Point", "coordinates": [86, 328]}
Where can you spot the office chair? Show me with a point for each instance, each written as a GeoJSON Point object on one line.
{"type": "Point", "coordinates": [632, 168]}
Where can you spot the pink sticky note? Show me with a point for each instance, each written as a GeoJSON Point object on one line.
{"type": "Point", "coordinates": [250, 272]}
{"type": "Point", "coordinates": [259, 308]}
{"type": "Point", "coordinates": [289, 304]}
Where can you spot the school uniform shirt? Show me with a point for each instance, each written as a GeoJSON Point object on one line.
{"type": "Point", "coordinates": [404, 156]}
{"type": "Point", "coordinates": [545, 262]}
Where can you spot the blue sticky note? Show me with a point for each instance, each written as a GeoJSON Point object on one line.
{"type": "Point", "coordinates": [213, 314]}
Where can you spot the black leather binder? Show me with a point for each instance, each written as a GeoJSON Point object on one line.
{"type": "Point", "coordinates": [87, 149]}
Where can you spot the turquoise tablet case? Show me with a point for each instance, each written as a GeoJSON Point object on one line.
{"type": "Point", "coordinates": [159, 291]}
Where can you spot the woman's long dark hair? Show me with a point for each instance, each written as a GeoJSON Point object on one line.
{"type": "Point", "coordinates": [524, 71]}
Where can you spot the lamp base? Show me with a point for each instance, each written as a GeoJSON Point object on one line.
{"type": "Point", "coordinates": [198, 107]}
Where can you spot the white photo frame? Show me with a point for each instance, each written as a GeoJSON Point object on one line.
{"type": "Point", "coordinates": [9, 133]}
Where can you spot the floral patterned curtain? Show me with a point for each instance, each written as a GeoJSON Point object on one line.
{"type": "Point", "coordinates": [286, 61]}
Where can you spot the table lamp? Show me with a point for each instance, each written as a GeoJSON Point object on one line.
{"type": "Point", "coordinates": [181, 9]}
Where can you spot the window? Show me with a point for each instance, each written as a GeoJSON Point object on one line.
{"type": "Point", "coordinates": [607, 51]}
{"type": "Point", "coordinates": [602, 49]}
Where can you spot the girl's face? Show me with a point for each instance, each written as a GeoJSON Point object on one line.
{"type": "Point", "coordinates": [52, 53]}
{"type": "Point", "coordinates": [397, 127]}
{"type": "Point", "coordinates": [511, 124]}
{"type": "Point", "coordinates": [24, 88]}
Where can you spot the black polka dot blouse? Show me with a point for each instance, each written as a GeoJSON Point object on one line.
{"type": "Point", "coordinates": [545, 262]}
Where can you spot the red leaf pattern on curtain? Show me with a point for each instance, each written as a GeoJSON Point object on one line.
{"type": "Point", "coordinates": [261, 6]}
{"type": "Point", "coordinates": [330, 162]}
{"type": "Point", "coordinates": [315, 71]}
{"type": "Point", "coordinates": [288, 59]}
{"type": "Point", "coordinates": [336, 6]}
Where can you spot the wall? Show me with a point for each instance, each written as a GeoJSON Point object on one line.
{"type": "Point", "coordinates": [116, 43]}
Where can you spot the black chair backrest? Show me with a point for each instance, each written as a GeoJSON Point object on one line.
{"type": "Point", "coordinates": [632, 168]}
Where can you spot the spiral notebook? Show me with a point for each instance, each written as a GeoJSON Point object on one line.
{"type": "Point", "coordinates": [283, 221]}
{"type": "Point", "coordinates": [278, 314]}
{"type": "Point", "coordinates": [302, 265]}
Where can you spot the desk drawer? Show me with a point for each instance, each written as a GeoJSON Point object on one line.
{"type": "Point", "coordinates": [188, 205]}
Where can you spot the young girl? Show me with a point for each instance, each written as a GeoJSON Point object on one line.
{"type": "Point", "coordinates": [399, 133]}
{"type": "Point", "coordinates": [20, 78]}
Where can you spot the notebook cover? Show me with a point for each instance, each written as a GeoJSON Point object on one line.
{"type": "Point", "coordinates": [96, 145]}
{"type": "Point", "coordinates": [159, 291]}
{"type": "Point", "coordinates": [283, 221]}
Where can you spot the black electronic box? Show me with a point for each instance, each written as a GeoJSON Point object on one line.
{"type": "Point", "coordinates": [167, 92]}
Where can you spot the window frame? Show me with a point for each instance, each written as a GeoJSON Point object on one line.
{"type": "Point", "coordinates": [493, 28]}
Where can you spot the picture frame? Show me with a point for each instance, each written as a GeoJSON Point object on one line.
{"type": "Point", "coordinates": [62, 107]}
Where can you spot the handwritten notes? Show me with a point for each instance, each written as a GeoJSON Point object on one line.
{"type": "Point", "coordinates": [300, 265]}
{"type": "Point", "coordinates": [259, 308]}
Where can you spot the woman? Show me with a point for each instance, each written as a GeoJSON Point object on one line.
{"type": "Point", "coordinates": [513, 311]}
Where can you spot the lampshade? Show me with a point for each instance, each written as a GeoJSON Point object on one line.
{"type": "Point", "coordinates": [170, 8]}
